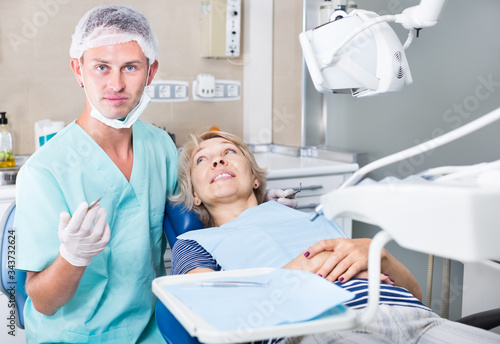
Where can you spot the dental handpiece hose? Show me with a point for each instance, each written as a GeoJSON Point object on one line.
{"type": "Point", "coordinates": [415, 150]}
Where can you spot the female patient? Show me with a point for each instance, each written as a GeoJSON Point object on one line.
{"type": "Point", "coordinates": [220, 180]}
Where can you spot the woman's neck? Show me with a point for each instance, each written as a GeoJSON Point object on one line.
{"type": "Point", "coordinates": [222, 213]}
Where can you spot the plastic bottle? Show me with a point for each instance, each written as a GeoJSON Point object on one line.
{"type": "Point", "coordinates": [6, 145]}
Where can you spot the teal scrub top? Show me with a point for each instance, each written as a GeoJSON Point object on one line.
{"type": "Point", "coordinates": [114, 302]}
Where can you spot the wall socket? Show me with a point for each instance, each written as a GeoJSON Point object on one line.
{"type": "Point", "coordinates": [224, 90]}
{"type": "Point", "coordinates": [168, 91]}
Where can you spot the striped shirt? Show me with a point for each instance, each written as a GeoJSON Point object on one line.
{"type": "Point", "coordinates": [188, 255]}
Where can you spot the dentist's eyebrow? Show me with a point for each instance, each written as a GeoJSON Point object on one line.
{"type": "Point", "coordinates": [103, 61]}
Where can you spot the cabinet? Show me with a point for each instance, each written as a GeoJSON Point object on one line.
{"type": "Point", "coordinates": [317, 176]}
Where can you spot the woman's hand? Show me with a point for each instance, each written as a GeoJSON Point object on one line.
{"type": "Point", "coordinates": [346, 257]}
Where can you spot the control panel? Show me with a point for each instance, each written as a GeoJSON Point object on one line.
{"type": "Point", "coordinates": [220, 28]}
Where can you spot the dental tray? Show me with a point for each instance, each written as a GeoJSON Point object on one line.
{"type": "Point", "coordinates": [196, 326]}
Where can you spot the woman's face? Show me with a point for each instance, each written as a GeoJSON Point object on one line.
{"type": "Point", "coordinates": [220, 173]}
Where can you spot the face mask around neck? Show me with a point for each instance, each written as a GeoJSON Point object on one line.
{"type": "Point", "coordinates": [129, 120]}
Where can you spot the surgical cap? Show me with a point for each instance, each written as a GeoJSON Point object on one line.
{"type": "Point", "coordinates": [113, 24]}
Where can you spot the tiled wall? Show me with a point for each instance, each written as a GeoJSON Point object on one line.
{"type": "Point", "coordinates": [36, 81]}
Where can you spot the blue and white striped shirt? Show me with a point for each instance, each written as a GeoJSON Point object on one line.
{"type": "Point", "coordinates": [188, 255]}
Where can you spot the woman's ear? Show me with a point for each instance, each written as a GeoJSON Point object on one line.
{"type": "Point", "coordinates": [256, 183]}
{"type": "Point", "coordinates": [196, 199]}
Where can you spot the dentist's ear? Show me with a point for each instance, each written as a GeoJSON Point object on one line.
{"type": "Point", "coordinates": [77, 70]}
{"type": "Point", "coordinates": [152, 71]}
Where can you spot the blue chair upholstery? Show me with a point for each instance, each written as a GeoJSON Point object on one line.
{"type": "Point", "coordinates": [12, 281]}
{"type": "Point", "coordinates": [177, 221]}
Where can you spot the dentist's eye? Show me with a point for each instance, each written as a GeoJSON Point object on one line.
{"type": "Point", "coordinates": [101, 68]}
{"type": "Point", "coordinates": [130, 68]}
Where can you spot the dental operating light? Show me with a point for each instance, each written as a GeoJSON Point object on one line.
{"type": "Point", "coordinates": [359, 53]}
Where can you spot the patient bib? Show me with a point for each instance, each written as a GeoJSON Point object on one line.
{"type": "Point", "coordinates": [268, 235]}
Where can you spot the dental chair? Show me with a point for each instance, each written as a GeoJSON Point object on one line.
{"type": "Point", "coordinates": [12, 281]}
{"type": "Point", "coordinates": [177, 221]}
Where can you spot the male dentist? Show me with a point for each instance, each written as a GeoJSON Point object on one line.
{"type": "Point", "coordinates": [90, 264]}
{"type": "Point", "coordinates": [89, 274]}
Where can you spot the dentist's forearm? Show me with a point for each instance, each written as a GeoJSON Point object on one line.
{"type": "Point", "coordinates": [53, 287]}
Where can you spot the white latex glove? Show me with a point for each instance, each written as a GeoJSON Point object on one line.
{"type": "Point", "coordinates": [279, 196]}
{"type": "Point", "coordinates": [79, 242]}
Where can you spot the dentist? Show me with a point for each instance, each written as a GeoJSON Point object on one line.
{"type": "Point", "coordinates": [90, 267]}
{"type": "Point", "coordinates": [89, 274]}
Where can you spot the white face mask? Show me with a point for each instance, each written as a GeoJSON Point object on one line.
{"type": "Point", "coordinates": [129, 119]}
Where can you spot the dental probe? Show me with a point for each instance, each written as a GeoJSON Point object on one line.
{"type": "Point", "coordinates": [94, 203]}
{"type": "Point", "coordinates": [295, 192]}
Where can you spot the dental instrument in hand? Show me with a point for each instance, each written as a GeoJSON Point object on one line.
{"type": "Point", "coordinates": [94, 203]}
{"type": "Point", "coordinates": [295, 192]}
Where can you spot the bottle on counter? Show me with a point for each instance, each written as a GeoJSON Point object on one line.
{"type": "Point", "coordinates": [6, 144]}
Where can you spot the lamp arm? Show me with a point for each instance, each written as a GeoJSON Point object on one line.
{"type": "Point", "coordinates": [425, 14]}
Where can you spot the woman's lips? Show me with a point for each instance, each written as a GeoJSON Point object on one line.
{"type": "Point", "coordinates": [222, 175]}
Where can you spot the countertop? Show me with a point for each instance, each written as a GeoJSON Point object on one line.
{"type": "Point", "coordinates": [287, 166]}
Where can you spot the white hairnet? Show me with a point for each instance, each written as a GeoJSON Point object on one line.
{"type": "Point", "coordinates": [113, 24]}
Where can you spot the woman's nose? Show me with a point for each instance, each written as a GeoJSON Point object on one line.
{"type": "Point", "coordinates": [219, 161]}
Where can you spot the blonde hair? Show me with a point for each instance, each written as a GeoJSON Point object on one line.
{"type": "Point", "coordinates": [185, 194]}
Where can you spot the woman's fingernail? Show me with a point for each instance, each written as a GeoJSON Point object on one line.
{"type": "Point", "coordinates": [341, 279]}
{"type": "Point", "coordinates": [391, 280]}
{"type": "Point", "coordinates": [386, 275]}
{"type": "Point", "coordinates": [307, 254]}
{"type": "Point", "coordinates": [320, 275]}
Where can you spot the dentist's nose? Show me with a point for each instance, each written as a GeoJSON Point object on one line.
{"type": "Point", "coordinates": [116, 81]}
{"type": "Point", "coordinates": [219, 161]}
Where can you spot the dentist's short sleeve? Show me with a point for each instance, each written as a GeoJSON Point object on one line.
{"type": "Point", "coordinates": [38, 204]}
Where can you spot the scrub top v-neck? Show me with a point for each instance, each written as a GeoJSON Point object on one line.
{"type": "Point", "coordinates": [114, 302]}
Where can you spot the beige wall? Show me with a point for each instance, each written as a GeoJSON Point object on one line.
{"type": "Point", "coordinates": [36, 81]}
{"type": "Point", "coordinates": [287, 72]}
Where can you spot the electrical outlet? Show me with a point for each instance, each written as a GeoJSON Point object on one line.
{"type": "Point", "coordinates": [168, 91]}
{"type": "Point", "coordinates": [225, 90]}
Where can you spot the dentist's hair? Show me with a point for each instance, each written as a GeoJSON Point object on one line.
{"type": "Point", "coordinates": [185, 194]}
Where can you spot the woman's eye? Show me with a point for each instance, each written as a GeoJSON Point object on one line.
{"type": "Point", "coordinates": [199, 160]}
{"type": "Point", "coordinates": [230, 151]}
